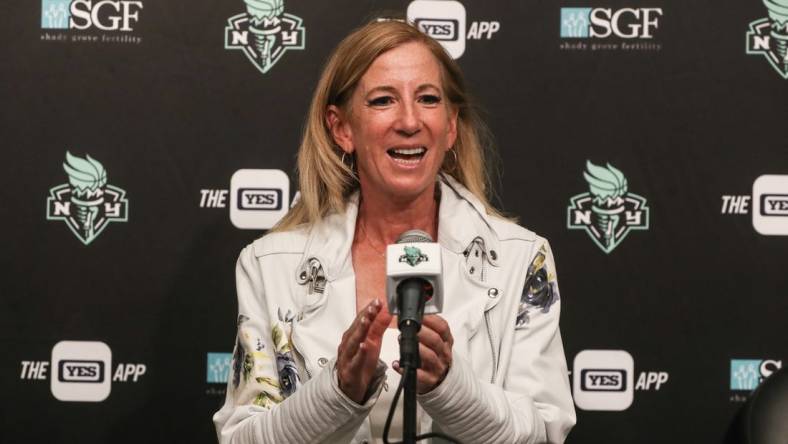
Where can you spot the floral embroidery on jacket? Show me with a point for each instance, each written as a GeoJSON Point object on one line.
{"type": "Point", "coordinates": [283, 348]}
{"type": "Point", "coordinates": [239, 357]}
{"type": "Point", "coordinates": [540, 289]}
{"type": "Point", "coordinates": [267, 379]}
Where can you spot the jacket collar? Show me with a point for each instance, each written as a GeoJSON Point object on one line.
{"type": "Point", "coordinates": [462, 220]}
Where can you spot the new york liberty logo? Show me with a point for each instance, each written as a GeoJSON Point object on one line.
{"type": "Point", "coordinates": [413, 256]}
{"type": "Point", "coordinates": [87, 204]}
{"type": "Point", "coordinates": [608, 212]}
{"type": "Point", "coordinates": [264, 33]}
{"type": "Point", "coordinates": [769, 36]}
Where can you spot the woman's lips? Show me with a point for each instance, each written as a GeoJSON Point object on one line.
{"type": "Point", "coordinates": [410, 155]}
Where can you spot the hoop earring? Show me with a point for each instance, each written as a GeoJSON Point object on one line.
{"type": "Point", "coordinates": [447, 164]}
{"type": "Point", "coordinates": [352, 165]}
{"type": "Point", "coordinates": [352, 161]}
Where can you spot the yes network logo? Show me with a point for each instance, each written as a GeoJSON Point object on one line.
{"type": "Point", "coordinates": [604, 380]}
{"type": "Point", "coordinates": [258, 199]}
{"type": "Point", "coordinates": [81, 371]}
{"type": "Point", "coordinates": [768, 204]}
{"type": "Point", "coordinates": [446, 22]}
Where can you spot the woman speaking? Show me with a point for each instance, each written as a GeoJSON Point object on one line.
{"type": "Point", "coordinates": [392, 144]}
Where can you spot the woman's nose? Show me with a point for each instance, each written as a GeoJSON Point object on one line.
{"type": "Point", "coordinates": [408, 121]}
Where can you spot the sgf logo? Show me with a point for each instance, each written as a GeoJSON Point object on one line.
{"type": "Point", "coordinates": [625, 23]}
{"type": "Point", "coordinates": [747, 374]}
{"type": "Point", "coordinates": [105, 15]}
{"type": "Point", "coordinates": [608, 212]}
{"type": "Point", "coordinates": [218, 371]}
{"type": "Point", "coordinates": [264, 33]}
{"type": "Point", "coordinates": [87, 203]}
{"type": "Point", "coordinates": [769, 36]}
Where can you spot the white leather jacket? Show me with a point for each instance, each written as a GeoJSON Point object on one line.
{"type": "Point", "coordinates": [296, 295]}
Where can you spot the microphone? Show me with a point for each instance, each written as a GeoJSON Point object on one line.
{"type": "Point", "coordinates": [414, 286]}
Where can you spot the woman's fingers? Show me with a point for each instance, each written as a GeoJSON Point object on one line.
{"type": "Point", "coordinates": [357, 354]}
{"type": "Point", "coordinates": [435, 352]}
{"type": "Point", "coordinates": [380, 322]}
{"type": "Point", "coordinates": [357, 360]}
{"type": "Point", "coordinates": [435, 342]}
{"type": "Point", "coordinates": [426, 380]}
{"type": "Point", "coordinates": [369, 346]}
{"type": "Point", "coordinates": [440, 326]}
{"type": "Point", "coordinates": [357, 331]}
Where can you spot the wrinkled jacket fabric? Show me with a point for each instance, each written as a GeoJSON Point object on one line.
{"type": "Point", "coordinates": [508, 382]}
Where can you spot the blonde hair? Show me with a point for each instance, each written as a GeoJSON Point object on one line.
{"type": "Point", "coordinates": [325, 178]}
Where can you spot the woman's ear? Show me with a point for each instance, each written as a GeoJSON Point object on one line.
{"type": "Point", "coordinates": [339, 126]}
{"type": "Point", "coordinates": [452, 133]}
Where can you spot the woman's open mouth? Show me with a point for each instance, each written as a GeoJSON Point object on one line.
{"type": "Point", "coordinates": [407, 156]}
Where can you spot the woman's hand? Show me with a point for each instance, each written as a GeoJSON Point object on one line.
{"type": "Point", "coordinates": [435, 344]}
{"type": "Point", "coordinates": [359, 350]}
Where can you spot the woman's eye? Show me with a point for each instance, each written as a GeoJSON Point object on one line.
{"type": "Point", "coordinates": [430, 99]}
{"type": "Point", "coordinates": [380, 101]}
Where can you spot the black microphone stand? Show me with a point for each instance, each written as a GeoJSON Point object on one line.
{"type": "Point", "coordinates": [411, 310]}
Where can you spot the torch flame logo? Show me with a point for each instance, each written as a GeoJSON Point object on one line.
{"type": "Point", "coordinates": [87, 177]}
{"type": "Point", "coordinates": [608, 186]}
{"type": "Point", "coordinates": [87, 203]}
{"type": "Point", "coordinates": [608, 211]}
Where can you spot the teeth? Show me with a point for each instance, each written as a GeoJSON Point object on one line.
{"type": "Point", "coordinates": [410, 152]}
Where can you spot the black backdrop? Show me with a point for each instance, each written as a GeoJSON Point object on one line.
{"type": "Point", "coordinates": [691, 115]}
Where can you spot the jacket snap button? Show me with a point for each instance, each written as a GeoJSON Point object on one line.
{"type": "Point", "coordinates": [493, 292]}
{"type": "Point", "coordinates": [322, 362]}
{"type": "Point", "coordinates": [472, 270]}
{"type": "Point", "coordinates": [493, 255]}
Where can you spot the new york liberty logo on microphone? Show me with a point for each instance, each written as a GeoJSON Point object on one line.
{"type": "Point", "coordinates": [264, 33]}
{"type": "Point", "coordinates": [87, 203]}
{"type": "Point", "coordinates": [413, 256]}
{"type": "Point", "coordinates": [608, 212]}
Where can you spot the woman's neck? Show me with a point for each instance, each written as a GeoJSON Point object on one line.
{"type": "Point", "coordinates": [384, 220]}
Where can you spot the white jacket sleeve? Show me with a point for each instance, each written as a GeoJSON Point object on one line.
{"type": "Point", "coordinates": [261, 406]}
{"type": "Point", "coordinates": [534, 405]}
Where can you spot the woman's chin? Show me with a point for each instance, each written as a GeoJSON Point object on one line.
{"type": "Point", "coordinates": [410, 189]}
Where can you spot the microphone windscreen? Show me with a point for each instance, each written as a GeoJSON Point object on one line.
{"type": "Point", "coordinates": [412, 236]}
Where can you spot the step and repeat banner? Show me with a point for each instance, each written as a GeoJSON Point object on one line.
{"type": "Point", "coordinates": [146, 142]}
